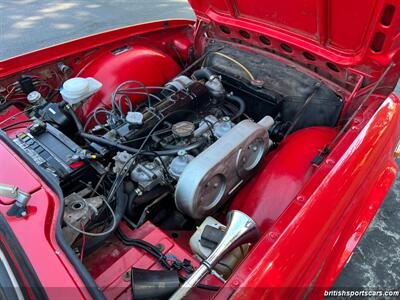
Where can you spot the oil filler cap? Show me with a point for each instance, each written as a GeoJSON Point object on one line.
{"type": "Point", "coordinates": [183, 129]}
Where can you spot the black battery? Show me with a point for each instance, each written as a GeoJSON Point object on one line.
{"type": "Point", "coordinates": [50, 149]}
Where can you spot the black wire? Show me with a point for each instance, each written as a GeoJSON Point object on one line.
{"type": "Point", "coordinates": [125, 93]}
{"type": "Point", "coordinates": [161, 131]}
{"type": "Point", "coordinates": [166, 172]}
{"type": "Point", "coordinates": [16, 123]}
{"type": "Point", "coordinates": [101, 140]}
{"type": "Point", "coordinates": [124, 170]}
{"type": "Point", "coordinates": [154, 251]}
{"type": "Point", "coordinates": [197, 61]}
{"type": "Point", "coordinates": [14, 128]}
{"type": "Point", "coordinates": [127, 100]}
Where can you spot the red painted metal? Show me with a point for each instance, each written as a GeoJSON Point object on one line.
{"type": "Point", "coordinates": [80, 50]}
{"type": "Point", "coordinates": [309, 244]}
{"type": "Point", "coordinates": [335, 37]}
{"type": "Point", "coordinates": [36, 232]}
{"type": "Point", "coordinates": [272, 190]}
{"type": "Point", "coordinates": [119, 259]}
{"type": "Point", "coordinates": [314, 23]}
{"type": "Point", "coordinates": [152, 67]}
{"type": "Point", "coordinates": [13, 111]}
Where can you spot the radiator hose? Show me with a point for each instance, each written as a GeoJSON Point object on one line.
{"type": "Point", "coordinates": [239, 102]}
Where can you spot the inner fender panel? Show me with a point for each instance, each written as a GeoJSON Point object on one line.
{"type": "Point", "coordinates": [150, 66]}
{"type": "Point", "coordinates": [270, 192]}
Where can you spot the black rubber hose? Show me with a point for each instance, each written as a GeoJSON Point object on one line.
{"type": "Point", "coordinates": [120, 207]}
{"type": "Point", "coordinates": [77, 122]}
{"type": "Point", "coordinates": [239, 101]}
{"type": "Point", "coordinates": [203, 73]}
{"type": "Point", "coordinates": [75, 118]}
{"type": "Point", "coordinates": [154, 251]}
{"type": "Point", "coordinates": [131, 201]}
{"type": "Point", "coordinates": [103, 141]}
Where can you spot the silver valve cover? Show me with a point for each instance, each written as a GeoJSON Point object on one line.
{"type": "Point", "coordinates": [211, 178]}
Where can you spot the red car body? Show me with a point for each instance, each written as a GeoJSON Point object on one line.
{"type": "Point", "coordinates": [312, 217]}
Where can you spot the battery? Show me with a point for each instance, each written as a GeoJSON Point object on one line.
{"type": "Point", "coordinates": [51, 150]}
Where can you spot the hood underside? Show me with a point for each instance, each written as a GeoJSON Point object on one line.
{"type": "Point", "coordinates": [339, 37]}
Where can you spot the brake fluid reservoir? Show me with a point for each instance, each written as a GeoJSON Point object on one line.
{"type": "Point", "coordinates": [76, 90]}
{"type": "Point", "coordinates": [203, 246]}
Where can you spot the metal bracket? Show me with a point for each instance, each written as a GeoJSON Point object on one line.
{"type": "Point", "coordinates": [21, 199]}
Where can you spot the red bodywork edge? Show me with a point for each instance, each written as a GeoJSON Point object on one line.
{"type": "Point", "coordinates": [310, 243]}
{"type": "Point", "coordinates": [59, 52]}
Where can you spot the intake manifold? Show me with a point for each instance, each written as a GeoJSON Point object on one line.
{"type": "Point", "coordinates": [211, 178]}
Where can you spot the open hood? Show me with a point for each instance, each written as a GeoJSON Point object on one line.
{"type": "Point", "coordinates": [333, 36]}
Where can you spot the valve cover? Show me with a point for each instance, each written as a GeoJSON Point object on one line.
{"type": "Point", "coordinates": [210, 178]}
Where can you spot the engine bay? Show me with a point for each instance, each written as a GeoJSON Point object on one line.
{"type": "Point", "coordinates": [158, 166]}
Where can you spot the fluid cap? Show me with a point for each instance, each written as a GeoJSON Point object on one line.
{"type": "Point", "coordinates": [134, 118]}
{"type": "Point", "coordinates": [35, 98]}
{"type": "Point", "coordinates": [77, 89]}
{"type": "Point", "coordinates": [183, 129]}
